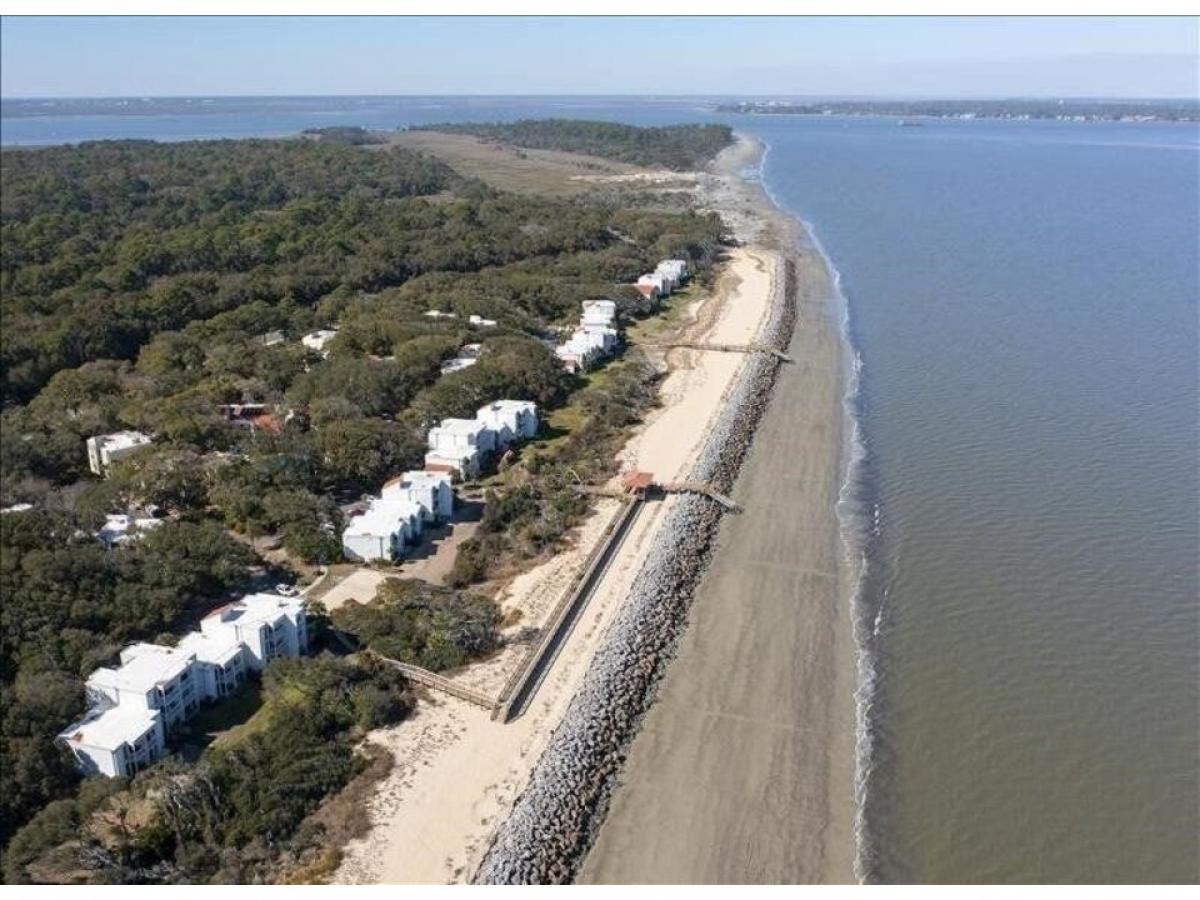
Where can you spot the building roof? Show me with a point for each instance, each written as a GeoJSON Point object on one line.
{"type": "Point", "coordinates": [457, 364]}
{"type": "Point", "coordinates": [217, 649]}
{"type": "Point", "coordinates": [143, 667]}
{"type": "Point", "coordinates": [508, 406]}
{"type": "Point", "coordinates": [385, 515]}
{"type": "Point", "coordinates": [460, 426]}
{"type": "Point", "coordinates": [255, 609]}
{"type": "Point", "coordinates": [637, 481]}
{"type": "Point", "coordinates": [109, 728]}
{"type": "Point", "coordinates": [120, 440]}
{"type": "Point", "coordinates": [417, 478]}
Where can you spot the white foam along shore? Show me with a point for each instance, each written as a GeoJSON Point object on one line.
{"type": "Point", "coordinates": [458, 774]}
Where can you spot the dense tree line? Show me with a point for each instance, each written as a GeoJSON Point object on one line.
{"type": "Point", "coordinates": [416, 622]}
{"type": "Point", "coordinates": [678, 147]}
{"type": "Point", "coordinates": [138, 285]}
{"type": "Point", "coordinates": [238, 814]}
{"type": "Point", "coordinates": [69, 606]}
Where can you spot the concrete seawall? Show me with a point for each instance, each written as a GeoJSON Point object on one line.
{"type": "Point", "coordinates": [553, 822]}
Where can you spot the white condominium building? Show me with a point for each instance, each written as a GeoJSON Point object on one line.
{"type": "Point", "coordinates": [509, 420]}
{"type": "Point", "coordinates": [457, 445]}
{"type": "Point", "coordinates": [135, 705]}
{"type": "Point", "coordinates": [267, 625]}
{"type": "Point", "coordinates": [396, 518]}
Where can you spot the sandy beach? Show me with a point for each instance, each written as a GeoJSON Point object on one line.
{"type": "Point", "coordinates": [457, 772]}
{"type": "Point", "coordinates": [743, 769]}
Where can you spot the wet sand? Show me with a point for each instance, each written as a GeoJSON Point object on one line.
{"type": "Point", "coordinates": [743, 769]}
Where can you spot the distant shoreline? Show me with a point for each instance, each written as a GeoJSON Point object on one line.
{"type": "Point", "coordinates": [1111, 111]}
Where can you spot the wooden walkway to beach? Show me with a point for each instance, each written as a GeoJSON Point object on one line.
{"type": "Point", "coordinates": [523, 683]}
{"type": "Point", "coordinates": [726, 348]}
{"type": "Point", "coordinates": [438, 682]}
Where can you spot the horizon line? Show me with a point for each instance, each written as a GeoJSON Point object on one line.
{"type": "Point", "coordinates": [586, 94]}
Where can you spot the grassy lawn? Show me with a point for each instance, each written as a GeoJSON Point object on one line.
{"type": "Point", "coordinates": [214, 723]}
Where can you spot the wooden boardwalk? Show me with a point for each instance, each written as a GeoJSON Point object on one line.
{"type": "Point", "coordinates": [523, 683]}
{"type": "Point", "coordinates": [438, 682]}
{"type": "Point", "coordinates": [520, 688]}
{"type": "Point", "coordinates": [726, 348]}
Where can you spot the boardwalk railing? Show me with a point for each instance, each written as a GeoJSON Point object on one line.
{"type": "Point", "coordinates": [519, 687]}
{"type": "Point", "coordinates": [727, 348]}
{"type": "Point", "coordinates": [439, 683]}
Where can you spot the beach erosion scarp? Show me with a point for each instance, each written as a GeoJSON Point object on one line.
{"type": "Point", "coordinates": [553, 822]}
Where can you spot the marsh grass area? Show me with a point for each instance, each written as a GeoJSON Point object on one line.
{"type": "Point", "coordinates": [545, 172]}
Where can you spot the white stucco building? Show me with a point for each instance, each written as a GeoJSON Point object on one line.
{"type": "Point", "coordinates": [398, 516]}
{"type": "Point", "coordinates": [510, 420]}
{"type": "Point", "coordinates": [267, 625]}
{"type": "Point", "coordinates": [116, 741]}
{"type": "Point", "coordinates": [134, 706]}
{"type": "Point", "coordinates": [150, 677]}
{"type": "Point", "coordinates": [582, 350]}
{"type": "Point", "coordinates": [652, 285]}
{"type": "Point", "coordinates": [458, 445]}
{"type": "Point", "coordinates": [104, 449]}
{"type": "Point", "coordinates": [674, 270]}
{"type": "Point", "coordinates": [381, 533]}
{"type": "Point", "coordinates": [430, 490]}
{"type": "Point", "coordinates": [598, 312]}
{"type": "Point", "coordinates": [220, 662]}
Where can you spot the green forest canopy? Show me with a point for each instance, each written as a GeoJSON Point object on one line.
{"type": "Point", "coordinates": [136, 280]}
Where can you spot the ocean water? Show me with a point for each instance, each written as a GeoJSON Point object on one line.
{"type": "Point", "coordinates": [1023, 300]}
{"type": "Point", "coordinates": [1021, 304]}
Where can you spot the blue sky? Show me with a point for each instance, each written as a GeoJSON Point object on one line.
{"type": "Point", "coordinates": [160, 56]}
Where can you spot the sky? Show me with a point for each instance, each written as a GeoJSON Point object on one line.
{"type": "Point", "coordinates": [826, 56]}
